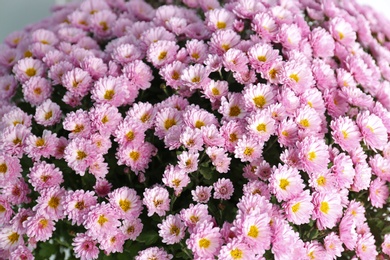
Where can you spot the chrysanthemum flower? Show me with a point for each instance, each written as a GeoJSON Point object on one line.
{"type": "Point", "coordinates": [314, 154]}
{"type": "Point", "coordinates": [39, 227]}
{"type": "Point", "coordinates": [176, 178]}
{"type": "Point", "coordinates": [255, 230]}
{"type": "Point", "coordinates": [236, 249]}
{"type": "Point", "coordinates": [345, 133]}
{"type": "Point", "coordinates": [333, 245]}
{"type": "Point", "coordinates": [327, 209]}
{"type": "Point", "coordinates": [172, 229]}
{"type": "Point", "coordinates": [77, 203]}
{"type": "Point", "coordinates": [153, 252]}
{"type": "Point", "coordinates": [48, 113]}
{"type": "Point", "coordinates": [223, 189]}
{"type": "Point", "coordinates": [10, 238]}
{"type": "Point", "coordinates": [126, 202]}
{"type": "Point", "coordinates": [131, 228]}
{"type": "Point", "coordinates": [85, 247]}
{"type": "Point", "coordinates": [194, 215]}
{"type": "Point", "coordinates": [299, 208]}
{"type": "Point", "coordinates": [102, 219]}
{"type": "Point", "coordinates": [372, 129]}
{"type": "Point", "coordinates": [27, 68]}
{"type": "Point", "coordinates": [365, 247]}
{"type": "Point", "coordinates": [201, 194]}
{"type": "Point", "coordinates": [156, 200]}
{"type": "Point", "coordinates": [378, 193]}
{"type": "Point", "coordinates": [205, 240]}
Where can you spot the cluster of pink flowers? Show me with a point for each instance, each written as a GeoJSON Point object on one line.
{"type": "Point", "coordinates": [258, 129]}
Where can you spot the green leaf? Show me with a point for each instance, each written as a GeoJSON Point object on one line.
{"type": "Point", "coordinates": [148, 237]}
{"type": "Point", "coordinates": [47, 250]}
{"type": "Point", "coordinates": [206, 172]}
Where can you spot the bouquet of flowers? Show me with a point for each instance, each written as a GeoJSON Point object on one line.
{"type": "Point", "coordinates": [243, 129]}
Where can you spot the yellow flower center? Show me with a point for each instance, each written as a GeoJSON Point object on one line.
{"type": "Point", "coordinates": [2, 208]}
{"type": "Point", "coordinates": [174, 230]}
{"type": "Point", "coordinates": [130, 136]}
{"type": "Point", "coordinates": [125, 205]}
{"type": "Point", "coordinates": [175, 75]}
{"type": "Point", "coordinates": [40, 142]}
{"type": "Point", "coordinates": [272, 73]}
{"type": "Point", "coordinates": [294, 77]}
{"type": "Point", "coordinates": [3, 168]}
{"type": "Point", "coordinates": [283, 184]}
{"type": "Point", "coordinates": [109, 94]}
{"type": "Point", "coordinates": [134, 155]}
{"type": "Point", "coordinates": [321, 181]}
{"type": "Point", "coordinates": [48, 115]}
{"type": "Point", "coordinates": [194, 219]}
{"type": "Point", "coordinates": [311, 156]}
{"type": "Point", "coordinates": [105, 119]}
{"type": "Point", "coordinates": [341, 35]}
{"type": "Point", "coordinates": [195, 55]}
{"type": "Point", "coordinates": [43, 223]}
{"type": "Point", "coordinates": [236, 253]}
{"type": "Point", "coordinates": [31, 72]}
{"type": "Point", "coordinates": [37, 91]}
{"type": "Point", "coordinates": [215, 91]}
{"type": "Point", "coordinates": [324, 207]}
{"type": "Point", "coordinates": [304, 123]}
{"type": "Point", "coordinates": [162, 55]}
{"type": "Point", "coordinates": [234, 111]}
{"type": "Point", "coordinates": [53, 202]}
{"type": "Point", "coordinates": [221, 25]}
{"type": "Point", "coordinates": [81, 155]}
{"type": "Point", "coordinates": [296, 207]}
{"type": "Point", "coordinates": [204, 243]}
{"type": "Point", "coordinates": [225, 47]}
{"type": "Point", "coordinates": [248, 151]}
{"type": "Point", "coordinates": [13, 237]}
{"type": "Point", "coordinates": [78, 128]}
{"type": "Point", "coordinates": [169, 123]}
{"type": "Point", "coordinates": [253, 231]}
{"type": "Point", "coordinates": [104, 25]}
{"type": "Point", "coordinates": [262, 127]}
{"type": "Point", "coordinates": [262, 58]}
{"type": "Point", "coordinates": [345, 134]}
{"type": "Point", "coordinates": [102, 219]}
{"type": "Point", "coordinates": [199, 124]}
{"type": "Point", "coordinates": [195, 79]}
{"type": "Point", "coordinates": [80, 205]}
{"type": "Point", "coordinates": [259, 101]}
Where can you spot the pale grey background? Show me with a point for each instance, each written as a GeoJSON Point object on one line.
{"type": "Point", "coordinates": [16, 14]}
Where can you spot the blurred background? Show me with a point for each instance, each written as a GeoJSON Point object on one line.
{"type": "Point", "coordinates": [16, 14]}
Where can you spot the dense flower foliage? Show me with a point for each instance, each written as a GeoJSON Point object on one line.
{"type": "Point", "coordinates": [244, 129]}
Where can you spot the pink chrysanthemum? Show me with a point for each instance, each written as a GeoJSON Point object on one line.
{"type": "Point", "coordinates": [156, 200]}
{"type": "Point", "coordinates": [126, 202]}
{"type": "Point", "coordinates": [378, 193]}
{"type": "Point", "coordinates": [327, 209]}
{"type": "Point", "coordinates": [85, 247]}
{"type": "Point", "coordinates": [372, 129]}
{"type": "Point", "coordinates": [50, 203]}
{"type": "Point", "coordinates": [299, 208]}
{"type": "Point", "coordinates": [39, 227]}
{"type": "Point", "coordinates": [77, 204]}
{"type": "Point", "coordinates": [205, 240]}
{"type": "Point", "coordinates": [102, 219]}
{"type": "Point", "coordinates": [132, 228]}
{"type": "Point", "coordinates": [285, 182]}
{"type": "Point", "coordinates": [201, 194]}
{"type": "Point", "coordinates": [10, 238]}
{"type": "Point", "coordinates": [172, 230]}
{"type": "Point", "coordinates": [153, 252]}
{"type": "Point", "coordinates": [314, 154]}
